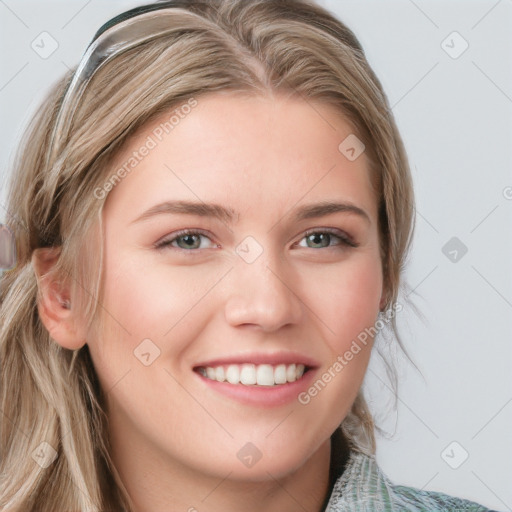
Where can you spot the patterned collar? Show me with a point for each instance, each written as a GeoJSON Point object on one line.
{"type": "Point", "coordinates": [363, 487]}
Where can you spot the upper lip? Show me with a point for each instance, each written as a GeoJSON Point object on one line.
{"type": "Point", "coordinates": [273, 358]}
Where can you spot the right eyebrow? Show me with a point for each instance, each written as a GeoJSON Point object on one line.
{"type": "Point", "coordinates": [187, 207]}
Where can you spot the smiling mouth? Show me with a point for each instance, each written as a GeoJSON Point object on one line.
{"type": "Point", "coordinates": [254, 374]}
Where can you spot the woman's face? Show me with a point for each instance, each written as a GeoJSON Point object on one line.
{"type": "Point", "coordinates": [281, 267]}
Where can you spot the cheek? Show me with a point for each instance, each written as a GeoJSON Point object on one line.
{"type": "Point", "coordinates": [345, 297]}
{"type": "Point", "coordinates": [347, 308]}
{"type": "Point", "coordinates": [142, 303]}
{"type": "Point", "coordinates": [359, 294]}
{"type": "Point", "coordinates": [155, 302]}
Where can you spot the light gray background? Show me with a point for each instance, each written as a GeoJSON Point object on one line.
{"type": "Point", "coordinates": [455, 115]}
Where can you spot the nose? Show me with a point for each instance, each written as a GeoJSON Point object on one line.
{"type": "Point", "coordinates": [262, 294]}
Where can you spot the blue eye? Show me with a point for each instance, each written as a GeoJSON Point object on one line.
{"type": "Point", "coordinates": [322, 239]}
{"type": "Point", "coordinates": [186, 240]}
{"type": "Point", "coordinates": [189, 240]}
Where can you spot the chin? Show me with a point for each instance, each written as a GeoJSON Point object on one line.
{"type": "Point", "coordinates": [266, 469]}
{"type": "Point", "coordinates": [246, 461]}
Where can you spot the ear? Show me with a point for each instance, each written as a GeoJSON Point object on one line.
{"type": "Point", "coordinates": [53, 301]}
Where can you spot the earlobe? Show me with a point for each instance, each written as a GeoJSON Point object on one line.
{"type": "Point", "coordinates": [53, 301]}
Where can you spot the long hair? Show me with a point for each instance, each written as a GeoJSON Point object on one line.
{"type": "Point", "coordinates": [50, 397]}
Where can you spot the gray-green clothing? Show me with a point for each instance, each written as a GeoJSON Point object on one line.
{"type": "Point", "coordinates": [364, 487]}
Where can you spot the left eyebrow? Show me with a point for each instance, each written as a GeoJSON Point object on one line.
{"type": "Point", "coordinates": [327, 208]}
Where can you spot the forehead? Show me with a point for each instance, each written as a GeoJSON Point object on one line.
{"type": "Point", "coordinates": [245, 151]}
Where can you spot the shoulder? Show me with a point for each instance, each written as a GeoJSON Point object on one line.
{"type": "Point", "coordinates": [364, 487]}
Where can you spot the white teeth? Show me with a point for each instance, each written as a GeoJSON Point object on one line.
{"type": "Point", "coordinates": [248, 374]}
{"type": "Point", "coordinates": [219, 373]}
{"type": "Point", "coordinates": [251, 374]}
{"type": "Point", "coordinates": [233, 374]}
{"type": "Point", "coordinates": [291, 373]}
{"type": "Point", "coordinates": [265, 375]}
{"type": "Point", "coordinates": [280, 374]}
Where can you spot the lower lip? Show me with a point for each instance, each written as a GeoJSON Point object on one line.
{"type": "Point", "coordinates": [262, 396]}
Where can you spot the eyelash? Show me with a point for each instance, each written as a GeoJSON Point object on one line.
{"type": "Point", "coordinates": [345, 240]}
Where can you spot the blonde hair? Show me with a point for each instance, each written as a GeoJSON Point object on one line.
{"type": "Point", "coordinates": [51, 394]}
